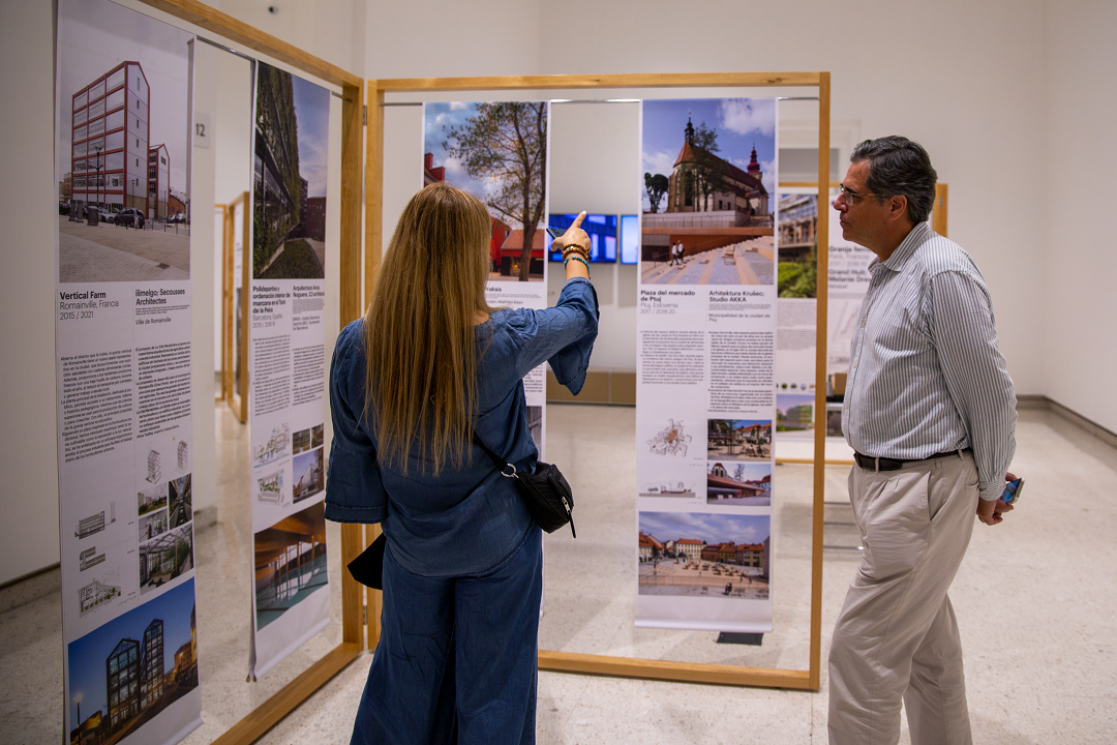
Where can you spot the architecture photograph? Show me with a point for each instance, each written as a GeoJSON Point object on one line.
{"type": "Point", "coordinates": [181, 504]}
{"type": "Point", "coordinates": [739, 439]}
{"type": "Point", "coordinates": [166, 558]}
{"type": "Point", "coordinates": [130, 669]}
{"type": "Point", "coordinates": [740, 484]}
{"type": "Point", "coordinates": [703, 555]}
{"type": "Point", "coordinates": [290, 560]}
{"type": "Point", "coordinates": [794, 412]}
{"type": "Point", "coordinates": [308, 474]}
{"type": "Point", "coordinates": [122, 106]}
{"type": "Point", "coordinates": [707, 213]}
{"type": "Point", "coordinates": [798, 245]}
{"type": "Point", "coordinates": [289, 176]}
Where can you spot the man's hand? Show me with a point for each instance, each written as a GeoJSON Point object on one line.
{"type": "Point", "coordinates": [990, 511]}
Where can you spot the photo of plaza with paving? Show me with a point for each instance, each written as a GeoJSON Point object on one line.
{"type": "Point", "coordinates": [705, 556]}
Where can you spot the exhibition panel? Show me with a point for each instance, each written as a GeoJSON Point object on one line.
{"type": "Point", "coordinates": [287, 364]}
{"type": "Point", "coordinates": [123, 369]}
{"type": "Point", "coordinates": [745, 431]}
{"type": "Point", "coordinates": [126, 129]}
{"type": "Point", "coordinates": [706, 351]}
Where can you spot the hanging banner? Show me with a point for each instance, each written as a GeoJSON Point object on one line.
{"type": "Point", "coordinates": [849, 277]}
{"type": "Point", "coordinates": [498, 152]}
{"type": "Point", "coordinates": [706, 325]}
{"type": "Point", "coordinates": [287, 365]}
{"type": "Point", "coordinates": [123, 376]}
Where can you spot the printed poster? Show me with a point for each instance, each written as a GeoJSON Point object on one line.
{"type": "Point", "coordinates": [287, 364]}
{"type": "Point", "coordinates": [795, 345]}
{"type": "Point", "coordinates": [123, 372]}
{"type": "Point", "coordinates": [498, 153]}
{"type": "Point", "coordinates": [706, 325]}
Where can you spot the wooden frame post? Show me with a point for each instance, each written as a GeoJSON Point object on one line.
{"type": "Point", "coordinates": [259, 721]}
{"type": "Point", "coordinates": [235, 348]}
{"type": "Point", "coordinates": [627, 666]}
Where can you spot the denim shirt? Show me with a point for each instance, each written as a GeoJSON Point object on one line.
{"type": "Point", "coordinates": [468, 519]}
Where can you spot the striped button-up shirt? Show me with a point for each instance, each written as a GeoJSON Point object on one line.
{"type": "Point", "coordinates": [925, 373]}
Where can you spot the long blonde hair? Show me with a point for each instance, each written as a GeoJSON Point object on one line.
{"type": "Point", "coordinates": [421, 382]}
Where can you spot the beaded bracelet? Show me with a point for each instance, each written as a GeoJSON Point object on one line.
{"type": "Point", "coordinates": [577, 258]}
{"type": "Point", "coordinates": [574, 248]}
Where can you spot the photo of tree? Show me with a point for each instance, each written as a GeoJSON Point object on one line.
{"type": "Point", "coordinates": [709, 168]}
{"type": "Point", "coordinates": [289, 176]}
{"type": "Point", "coordinates": [498, 153]}
{"type": "Point", "coordinates": [739, 439]}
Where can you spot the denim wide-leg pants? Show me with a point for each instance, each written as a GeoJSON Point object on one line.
{"type": "Point", "coordinates": [457, 658]}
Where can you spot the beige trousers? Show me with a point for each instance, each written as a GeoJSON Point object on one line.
{"type": "Point", "coordinates": [896, 638]}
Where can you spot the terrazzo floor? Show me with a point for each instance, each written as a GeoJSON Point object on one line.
{"type": "Point", "coordinates": [1034, 599]}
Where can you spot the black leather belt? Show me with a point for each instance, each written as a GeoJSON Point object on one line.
{"type": "Point", "coordinates": [869, 463]}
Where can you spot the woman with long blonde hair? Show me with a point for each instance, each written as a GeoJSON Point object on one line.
{"type": "Point", "coordinates": [430, 367]}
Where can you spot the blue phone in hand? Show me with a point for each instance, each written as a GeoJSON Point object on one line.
{"type": "Point", "coordinates": [1013, 489]}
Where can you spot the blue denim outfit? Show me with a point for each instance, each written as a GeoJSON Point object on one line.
{"type": "Point", "coordinates": [456, 660]}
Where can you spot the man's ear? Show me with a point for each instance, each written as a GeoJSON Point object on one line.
{"type": "Point", "coordinates": [898, 207]}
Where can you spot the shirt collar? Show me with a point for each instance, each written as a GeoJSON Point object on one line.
{"type": "Point", "coordinates": [904, 251]}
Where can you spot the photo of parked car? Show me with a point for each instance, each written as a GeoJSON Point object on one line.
{"type": "Point", "coordinates": [130, 217]}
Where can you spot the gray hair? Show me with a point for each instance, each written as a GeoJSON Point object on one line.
{"type": "Point", "coordinates": [900, 167]}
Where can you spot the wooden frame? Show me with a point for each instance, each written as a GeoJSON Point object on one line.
{"type": "Point", "coordinates": [238, 402]}
{"type": "Point", "coordinates": [259, 721]}
{"type": "Point", "coordinates": [374, 185]}
{"type": "Point", "coordinates": [223, 211]}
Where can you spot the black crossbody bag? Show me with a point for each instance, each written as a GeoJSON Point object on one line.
{"type": "Point", "coordinates": [546, 493]}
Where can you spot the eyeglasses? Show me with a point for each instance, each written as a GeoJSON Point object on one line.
{"type": "Point", "coordinates": [852, 196]}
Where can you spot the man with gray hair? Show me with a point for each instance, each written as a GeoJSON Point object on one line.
{"type": "Point", "coordinates": [930, 412]}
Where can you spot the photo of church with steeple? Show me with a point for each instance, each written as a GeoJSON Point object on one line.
{"type": "Point", "coordinates": [709, 165]}
{"type": "Point", "coordinates": [702, 182]}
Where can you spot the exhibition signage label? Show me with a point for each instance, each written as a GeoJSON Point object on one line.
{"type": "Point", "coordinates": [498, 152]}
{"type": "Point", "coordinates": [287, 365]}
{"type": "Point", "coordinates": [706, 325]}
{"type": "Point", "coordinates": [123, 376]}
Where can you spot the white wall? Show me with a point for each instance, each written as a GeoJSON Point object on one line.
{"type": "Point", "coordinates": [202, 281]}
{"type": "Point", "coordinates": [1078, 342]}
{"type": "Point", "coordinates": [965, 79]}
{"type": "Point", "coordinates": [333, 30]}
{"type": "Point", "coordinates": [28, 457]}
{"type": "Point", "coordinates": [231, 82]}
{"type": "Point", "coordinates": [1015, 102]}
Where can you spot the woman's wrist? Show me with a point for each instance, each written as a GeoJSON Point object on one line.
{"type": "Point", "coordinates": [578, 258]}
{"type": "Point", "coordinates": [574, 250]}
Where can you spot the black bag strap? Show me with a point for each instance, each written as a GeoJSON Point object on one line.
{"type": "Point", "coordinates": [501, 464]}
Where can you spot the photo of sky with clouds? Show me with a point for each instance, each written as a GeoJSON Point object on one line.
{"type": "Point", "coordinates": [312, 112]}
{"type": "Point", "coordinates": [711, 528]}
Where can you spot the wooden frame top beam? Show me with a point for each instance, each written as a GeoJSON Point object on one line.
{"type": "Point", "coordinates": [551, 82]}
{"type": "Point", "coordinates": [231, 29]}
